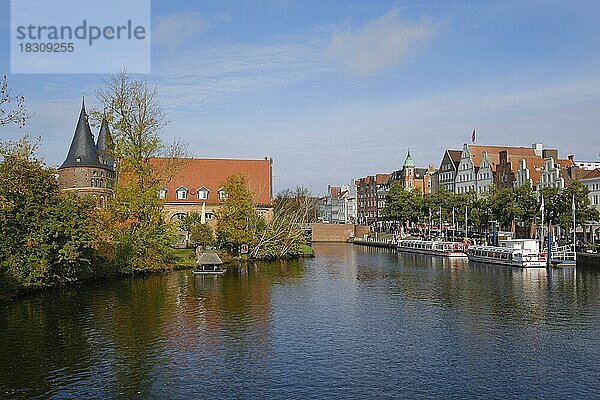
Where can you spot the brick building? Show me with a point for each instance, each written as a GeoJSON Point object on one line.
{"type": "Point", "coordinates": [412, 177]}
{"type": "Point", "coordinates": [370, 193]}
{"type": "Point", "coordinates": [197, 184]}
{"type": "Point", "coordinates": [478, 167]}
{"type": "Point", "coordinates": [89, 168]}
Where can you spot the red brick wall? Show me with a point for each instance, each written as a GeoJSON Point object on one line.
{"type": "Point", "coordinates": [336, 232]}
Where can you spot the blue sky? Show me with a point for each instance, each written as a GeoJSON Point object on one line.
{"type": "Point", "coordinates": [338, 90]}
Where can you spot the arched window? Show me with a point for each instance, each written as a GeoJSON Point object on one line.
{"type": "Point", "coordinates": [178, 216]}
{"type": "Point", "coordinates": [182, 193]}
{"type": "Point", "coordinates": [203, 193]}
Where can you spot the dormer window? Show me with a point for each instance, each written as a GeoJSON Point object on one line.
{"type": "Point", "coordinates": [182, 193]}
{"type": "Point", "coordinates": [78, 159]}
{"type": "Point", "coordinates": [202, 193]}
{"type": "Point", "coordinates": [222, 194]}
{"type": "Point", "coordinates": [162, 193]}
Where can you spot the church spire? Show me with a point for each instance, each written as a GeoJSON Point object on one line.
{"type": "Point", "coordinates": [105, 145]}
{"type": "Point", "coordinates": [83, 151]}
{"type": "Point", "coordinates": [408, 161]}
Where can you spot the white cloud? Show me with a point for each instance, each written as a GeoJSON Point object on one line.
{"type": "Point", "coordinates": [216, 72]}
{"type": "Point", "coordinates": [174, 30]}
{"type": "Point", "coordinates": [381, 43]}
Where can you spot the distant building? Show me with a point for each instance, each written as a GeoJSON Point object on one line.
{"type": "Point", "coordinates": [89, 168]}
{"type": "Point", "coordinates": [412, 177]}
{"type": "Point", "coordinates": [557, 173]}
{"type": "Point", "coordinates": [508, 165]}
{"type": "Point", "coordinates": [351, 206]}
{"type": "Point", "coordinates": [197, 184]}
{"type": "Point", "coordinates": [588, 165]}
{"type": "Point", "coordinates": [370, 197]}
{"type": "Point", "coordinates": [478, 166]}
{"type": "Point", "coordinates": [528, 172]}
{"type": "Point", "coordinates": [592, 181]}
{"type": "Point", "coordinates": [334, 207]}
{"type": "Point", "coordinates": [445, 176]}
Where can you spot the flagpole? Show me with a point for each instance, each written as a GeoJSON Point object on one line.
{"type": "Point", "coordinates": [574, 225]}
{"type": "Point", "coordinates": [542, 228]}
{"type": "Point", "coordinates": [429, 226]}
{"type": "Point", "coordinates": [453, 224]}
{"type": "Point", "coordinates": [440, 222]}
{"type": "Point", "coordinates": [466, 222]}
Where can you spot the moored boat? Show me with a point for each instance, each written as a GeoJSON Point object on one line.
{"type": "Point", "coordinates": [523, 253]}
{"type": "Point", "coordinates": [433, 247]}
{"type": "Point", "coordinates": [563, 256]}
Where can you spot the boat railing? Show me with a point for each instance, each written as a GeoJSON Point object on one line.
{"type": "Point", "coordinates": [564, 253]}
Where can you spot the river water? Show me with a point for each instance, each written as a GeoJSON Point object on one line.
{"type": "Point", "coordinates": [353, 322]}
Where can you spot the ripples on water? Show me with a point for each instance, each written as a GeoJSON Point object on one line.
{"type": "Point", "coordinates": [352, 322]}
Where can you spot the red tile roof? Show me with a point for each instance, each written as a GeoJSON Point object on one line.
{"type": "Point", "coordinates": [211, 173]}
{"type": "Point", "coordinates": [382, 178]}
{"type": "Point", "coordinates": [493, 153]}
{"type": "Point", "coordinates": [595, 173]}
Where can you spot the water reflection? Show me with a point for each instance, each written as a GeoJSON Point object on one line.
{"type": "Point", "coordinates": [355, 320]}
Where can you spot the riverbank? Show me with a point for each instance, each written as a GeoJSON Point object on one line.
{"type": "Point", "coordinates": [182, 259]}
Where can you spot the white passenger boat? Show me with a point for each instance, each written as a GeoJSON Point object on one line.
{"type": "Point", "coordinates": [518, 253]}
{"type": "Point", "coordinates": [433, 247]}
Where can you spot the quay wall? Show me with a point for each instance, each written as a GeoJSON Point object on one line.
{"type": "Point", "coordinates": [337, 232]}
{"type": "Point", "coordinates": [587, 260]}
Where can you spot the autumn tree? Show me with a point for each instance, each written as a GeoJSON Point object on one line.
{"type": "Point", "coordinates": [132, 108]}
{"type": "Point", "coordinates": [44, 235]}
{"type": "Point", "coordinates": [236, 217]}
{"type": "Point", "coordinates": [283, 235]}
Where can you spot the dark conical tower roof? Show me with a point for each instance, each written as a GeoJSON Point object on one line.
{"type": "Point", "coordinates": [105, 145]}
{"type": "Point", "coordinates": [83, 151]}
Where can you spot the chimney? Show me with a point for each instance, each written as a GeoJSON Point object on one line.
{"type": "Point", "coordinates": [537, 148]}
{"type": "Point", "coordinates": [547, 153]}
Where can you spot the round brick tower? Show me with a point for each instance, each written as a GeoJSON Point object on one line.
{"type": "Point", "coordinates": [89, 169]}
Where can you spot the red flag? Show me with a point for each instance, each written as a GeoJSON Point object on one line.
{"type": "Point", "coordinates": [473, 136]}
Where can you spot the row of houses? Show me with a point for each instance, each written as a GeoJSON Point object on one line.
{"type": "Point", "coordinates": [475, 168]}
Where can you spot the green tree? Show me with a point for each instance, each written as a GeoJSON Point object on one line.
{"type": "Point", "coordinates": [132, 108]}
{"type": "Point", "coordinates": [584, 212]}
{"type": "Point", "coordinates": [199, 233]}
{"type": "Point", "coordinates": [553, 204]}
{"type": "Point", "coordinates": [202, 234]}
{"type": "Point", "coordinates": [526, 204]}
{"type": "Point", "coordinates": [403, 205]}
{"type": "Point", "coordinates": [236, 217]}
{"type": "Point", "coordinates": [45, 237]}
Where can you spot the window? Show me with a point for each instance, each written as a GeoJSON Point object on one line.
{"type": "Point", "coordinates": [162, 193]}
{"type": "Point", "coordinates": [182, 193]}
{"type": "Point", "coordinates": [222, 194]}
{"type": "Point", "coordinates": [202, 193]}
